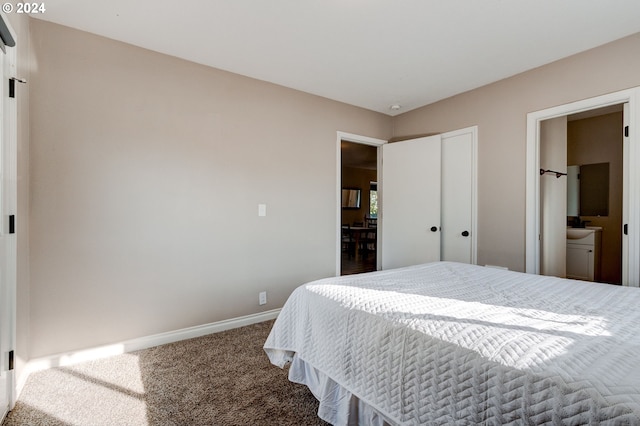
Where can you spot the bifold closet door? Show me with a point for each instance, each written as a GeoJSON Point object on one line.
{"type": "Point", "coordinates": [410, 191]}
{"type": "Point", "coordinates": [457, 196]}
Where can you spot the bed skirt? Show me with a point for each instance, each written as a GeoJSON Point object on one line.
{"type": "Point", "coordinates": [337, 406]}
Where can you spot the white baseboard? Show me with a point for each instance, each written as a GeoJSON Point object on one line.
{"type": "Point", "coordinates": [497, 267]}
{"type": "Point", "coordinates": [75, 357]}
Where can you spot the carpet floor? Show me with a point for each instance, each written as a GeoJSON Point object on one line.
{"type": "Point", "coordinates": [219, 379]}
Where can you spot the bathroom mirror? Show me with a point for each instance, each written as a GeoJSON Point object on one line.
{"type": "Point", "coordinates": [350, 198]}
{"type": "Point", "coordinates": [573, 191]}
{"type": "Point", "coordinates": [588, 190]}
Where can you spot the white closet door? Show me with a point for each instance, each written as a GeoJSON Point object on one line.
{"type": "Point", "coordinates": [6, 304]}
{"type": "Point", "coordinates": [458, 180]}
{"type": "Point", "coordinates": [410, 196]}
{"type": "Point", "coordinates": [626, 211]}
{"type": "Point", "coordinates": [7, 239]}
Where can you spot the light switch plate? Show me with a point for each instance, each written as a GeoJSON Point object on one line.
{"type": "Point", "coordinates": [262, 209]}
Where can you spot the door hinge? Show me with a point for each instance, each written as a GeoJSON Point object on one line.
{"type": "Point", "coordinates": [12, 224]}
{"type": "Point", "coordinates": [626, 131]}
{"type": "Point", "coordinates": [10, 360]}
{"type": "Point", "coordinates": [625, 229]}
{"type": "Point", "coordinates": [12, 85]}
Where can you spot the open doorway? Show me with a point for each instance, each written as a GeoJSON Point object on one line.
{"type": "Point", "coordinates": [371, 145]}
{"type": "Point", "coordinates": [359, 208]}
{"type": "Point", "coordinates": [536, 225]}
{"type": "Point", "coordinates": [585, 198]}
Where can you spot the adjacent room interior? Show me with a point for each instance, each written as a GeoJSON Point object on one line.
{"type": "Point", "coordinates": [359, 207]}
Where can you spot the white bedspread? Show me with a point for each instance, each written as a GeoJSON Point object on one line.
{"type": "Point", "coordinates": [448, 343]}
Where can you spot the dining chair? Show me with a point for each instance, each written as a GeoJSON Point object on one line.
{"type": "Point", "coordinates": [348, 242]}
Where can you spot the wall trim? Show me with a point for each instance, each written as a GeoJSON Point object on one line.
{"type": "Point", "coordinates": [75, 357]}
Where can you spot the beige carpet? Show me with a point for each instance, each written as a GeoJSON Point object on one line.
{"type": "Point", "coordinates": [220, 379]}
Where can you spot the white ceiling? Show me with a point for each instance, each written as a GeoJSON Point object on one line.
{"type": "Point", "coordinates": [368, 53]}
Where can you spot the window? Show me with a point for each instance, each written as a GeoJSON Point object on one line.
{"type": "Point", "coordinates": [373, 199]}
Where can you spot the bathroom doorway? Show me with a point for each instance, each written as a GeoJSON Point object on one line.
{"type": "Point", "coordinates": [630, 223]}
{"type": "Point", "coordinates": [588, 147]}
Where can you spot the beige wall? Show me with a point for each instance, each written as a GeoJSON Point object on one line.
{"type": "Point", "coordinates": [599, 140]}
{"type": "Point", "coordinates": [500, 111]}
{"type": "Point", "coordinates": [146, 174]}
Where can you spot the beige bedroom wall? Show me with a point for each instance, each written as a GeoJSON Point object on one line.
{"type": "Point", "coordinates": [500, 111]}
{"type": "Point", "coordinates": [146, 175]}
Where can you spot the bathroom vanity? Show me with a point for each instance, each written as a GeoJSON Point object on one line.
{"type": "Point", "coordinates": [583, 253]}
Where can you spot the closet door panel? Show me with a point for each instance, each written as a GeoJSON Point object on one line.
{"type": "Point", "coordinates": [410, 195]}
{"type": "Point", "coordinates": [457, 197]}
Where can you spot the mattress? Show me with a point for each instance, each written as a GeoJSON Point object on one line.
{"type": "Point", "coordinates": [449, 343]}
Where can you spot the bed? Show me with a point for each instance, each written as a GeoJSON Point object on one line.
{"type": "Point", "coordinates": [449, 343]}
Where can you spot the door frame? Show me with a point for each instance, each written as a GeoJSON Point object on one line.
{"type": "Point", "coordinates": [365, 140]}
{"type": "Point", "coordinates": [632, 183]}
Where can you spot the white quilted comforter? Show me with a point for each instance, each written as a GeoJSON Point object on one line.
{"type": "Point", "coordinates": [447, 343]}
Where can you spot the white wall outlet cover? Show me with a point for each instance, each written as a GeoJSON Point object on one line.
{"type": "Point", "coordinates": [262, 209]}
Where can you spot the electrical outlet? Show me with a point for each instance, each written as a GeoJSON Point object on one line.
{"type": "Point", "coordinates": [262, 297]}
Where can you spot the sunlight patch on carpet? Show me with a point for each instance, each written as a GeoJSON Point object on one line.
{"type": "Point", "coordinates": [82, 391]}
